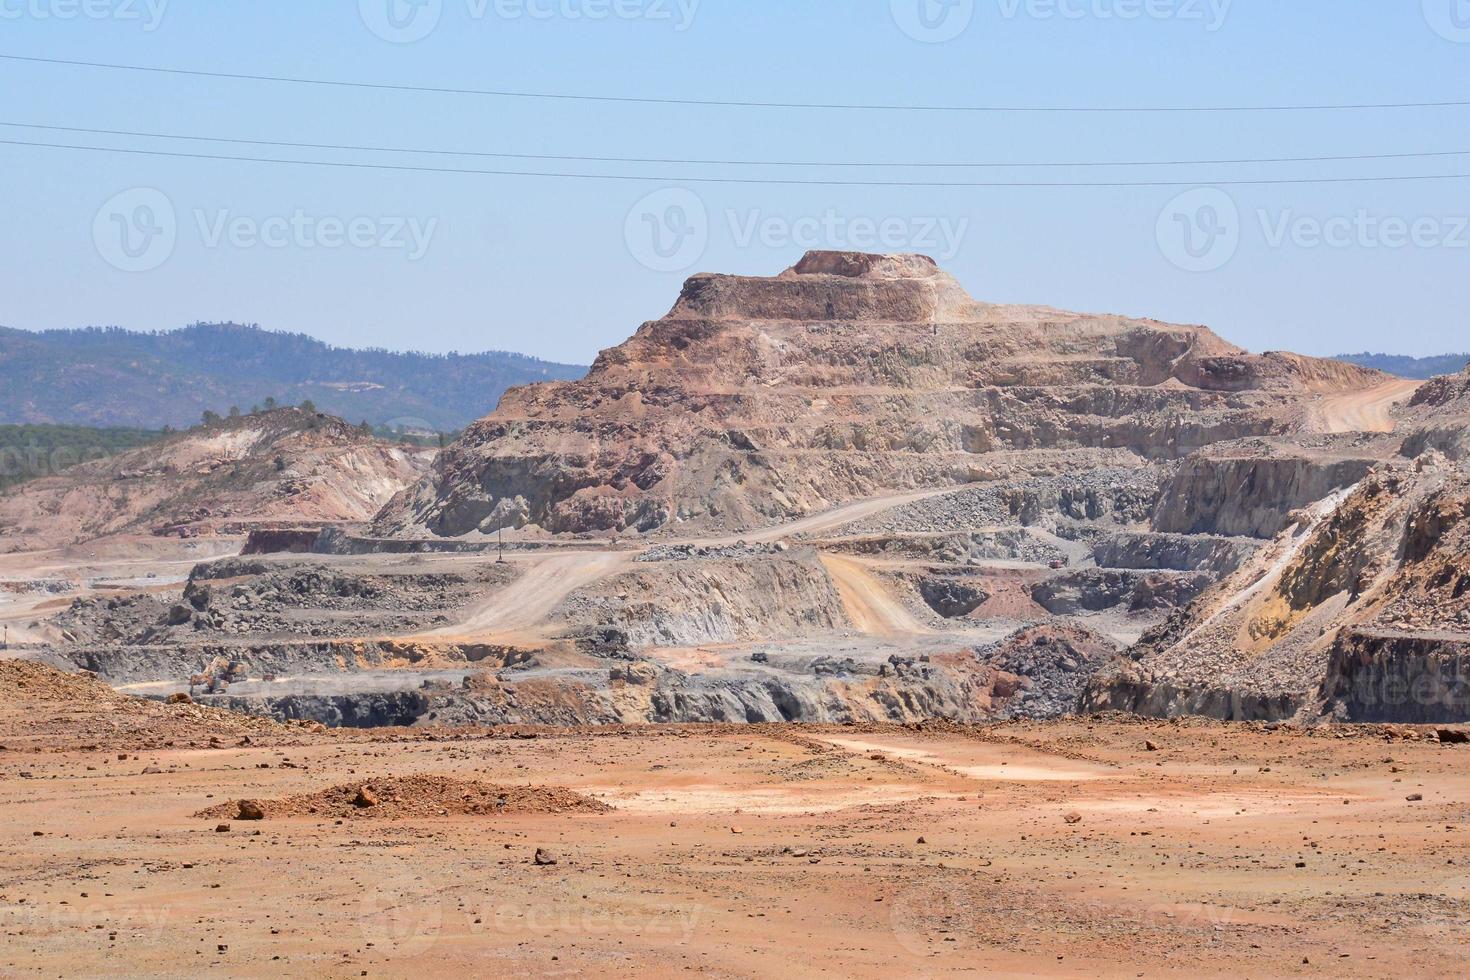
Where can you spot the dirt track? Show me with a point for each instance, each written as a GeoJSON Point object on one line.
{"type": "Point", "coordinates": [1226, 852]}
{"type": "Point", "coordinates": [1361, 411]}
{"type": "Point", "coordinates": [829, 519]}
{"type": "Point", "coordinates": [527, 601]}
{"type": "Point", "coordinates": [869, 605]}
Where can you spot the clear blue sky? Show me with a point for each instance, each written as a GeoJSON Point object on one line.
{"type": "Point", "coordinates": [557, 268]}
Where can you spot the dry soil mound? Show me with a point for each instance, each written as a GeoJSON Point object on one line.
{"type": "Point", "coordinates": [40, 705]}
{"type": "Point", "coordinates": [398, 797]}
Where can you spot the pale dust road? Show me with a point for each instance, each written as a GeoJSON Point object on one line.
{"type": "Point", "coordinates": [829, 519]}
{"type": "Point", "coordinates": [526, 602]}
{"type": "Point", "coordinates": [869, 605]}
{"type": "Point", "coordinates": [1370, 410]}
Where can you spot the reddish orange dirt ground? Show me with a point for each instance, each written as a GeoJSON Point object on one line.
{"type": "Point", "coordinates": [1060, 849]}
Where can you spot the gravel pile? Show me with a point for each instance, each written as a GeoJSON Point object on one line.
{"type": "Point", "coordinates": [691, 552]}
{"type": "Point", "coordinates": [1057, 661]}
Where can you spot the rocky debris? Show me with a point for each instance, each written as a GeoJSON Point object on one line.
{"type": "Point", "coordinates": [1053, 663]}
{"type": "Point", "coordinates": [1164, 590]}
{"type": "Point", "coordinates": [249, 810]}
{"type": "Point", "coordinates": [951, 596]}
{"type": "Point", "coordinates": [44, 705]}
{"type": "Point", "coordinates": [641, 673]}
{"type": "Point", "coordinates": [1111, 495]}
{"type": "Point", "coordinates": [965, 548]}
{"type": "Point", "coordinates": [757, 400]}
{"type": "Point", "coordinates": [38, 586]}
{"type": "Point", "coordinates": [1085, 590]}
{"type": "Point", "coordinates": [406, 797]}
{"type": "Point", "coordinates": [1092, 590]}
{"type": "Point", "coordinates": [1376, 676]}
{"type": "Point", "coordinates": [691, 552]}
{"type": "Point", "coordinates": [366, 710]}
{"type": "Point", "coordinates": [130, 618]}
{"type": "Point", "coordinates": [543, 857]}
{"type": "Point", "coordinates": [1360, 610]}
{"type": "Point", "coordinates": [278, 597]}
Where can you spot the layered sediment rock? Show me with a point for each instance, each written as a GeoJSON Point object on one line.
{"type": "Point", "coordinates": [1360, 609]}
{"type": "Point", "coordinates": [1250, 490]}
{"type": "Point", "coordinates": [761, 399]}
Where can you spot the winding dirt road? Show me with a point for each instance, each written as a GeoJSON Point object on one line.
{"type": "Point", "coordinates": [1370, 410]}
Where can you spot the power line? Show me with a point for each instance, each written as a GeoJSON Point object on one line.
{"type": "Point", "coordinates": [718, 103]}
{"type": "Point", "coordinates": [735, 163]}
{"type": "Point", "coordinates": [404, 168]}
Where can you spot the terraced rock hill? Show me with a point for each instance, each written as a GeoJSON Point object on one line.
{"type": "Point", "coordinates": [757, 400]}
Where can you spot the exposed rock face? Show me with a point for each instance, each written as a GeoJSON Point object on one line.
{"type": "Point", "coordinates": [335, 711]}
{"type": "Point", "coordinates": [683, 603]}
{"type": "Point", "coordinates": [1439, 414]}
{"type": "Point", "coordinates": [759, 399]}
{"type": "Point", "coordinates": [1179, 552]}
{"type": "Point", "coordinates": [1378, 677]}
{"type": "Point", "coordinates": [951, 596]}
{"type": "Point", "coordinates": [1251, 489]}
{"type": "Point", "coordinates": [1034, 674]}
{"type": "Point", "coordinates": [1360, 609]}
{"type": "Point", "coordinates": [280, 466]}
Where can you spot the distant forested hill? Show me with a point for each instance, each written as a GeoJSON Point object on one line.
{"type": "Point", "coordinates": [114, 377]}
{"type": "Point", "coordinates": [31, 451]}
{"type": "Point", "coordinates": [1410, 367]}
